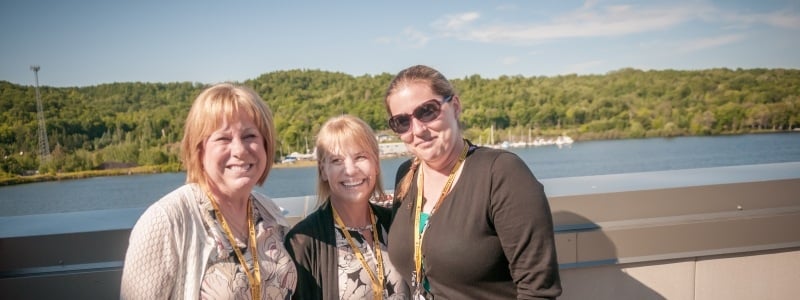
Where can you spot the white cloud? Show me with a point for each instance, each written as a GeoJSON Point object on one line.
{"type": "Point", "coordinates": [712, 42]}
{"type": "Point", "coordinates": [410, 38]}
{"type": "Point", "coordinates": [594, 18]}
{"type": "Point", "coordinates": [510, 60]}
{"type": "Point", "coordinates": [506, 7]}
{"type": "Point", "coordinates": [781, 19]}
{"type": "Point", "coordinates": [587, 22]}
{"type": "Point", "coordinates": [415, 38]}
{"type": "Point", "coordinates": [457, 21]}
{"type": "Point", "coordinates": [588, 4]}
{"type": "Point", "coordinates": [584, 67]}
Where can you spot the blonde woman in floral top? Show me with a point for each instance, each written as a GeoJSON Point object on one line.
{"type": "Point", "coordinates": [214, 238]}
{"type": "Point", "coordinates": [341, 248]}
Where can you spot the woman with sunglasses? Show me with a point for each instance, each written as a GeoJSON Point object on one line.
{"type": "Point", "coordinates": [470, 222]}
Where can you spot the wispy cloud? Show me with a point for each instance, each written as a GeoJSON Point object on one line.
{"type": "Point", "coordinates": [410, 37]}
{"type": "Point", "coordinates": [415, 38]}
{"type": "Point", "coordinates": [596, 19]}
{"type": "Point", "coordinates": [783, 19]}
{"type": "Point", "coordinates": [509, 60]}
{"type": "Point", "coordinates": [589, 21]}
{"type": "Point", "coordinates": [456, 21]}
{"type": "Point", "coordinates": [711, 42]}
{"type": "Point", "coordinates": [584, 67]}
{"type": "Point", "coordinates": [780, 19]}
{"type": "Point", "coordinates": [506, 7]}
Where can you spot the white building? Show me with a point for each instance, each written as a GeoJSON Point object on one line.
{"type": "Point", "coordinates": [392, 149]}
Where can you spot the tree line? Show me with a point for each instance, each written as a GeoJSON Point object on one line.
{"type": "Point", "coordinates": [137, 123]}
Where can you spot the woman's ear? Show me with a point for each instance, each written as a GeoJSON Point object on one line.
{"type": "Point", "coordinates": [322, 174]}
{"type": "Point", "coordinates": [456, 106]}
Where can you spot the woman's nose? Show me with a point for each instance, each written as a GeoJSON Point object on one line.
{"type": "Point", "coordinates": [237, 147]}
{"type": "Point", "coordinates": [350, 166]}
{"type": "Point", "coordinates": [418, 126]}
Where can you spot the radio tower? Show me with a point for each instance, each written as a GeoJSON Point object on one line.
{"type": "Point", "coordinates": [44, 147]}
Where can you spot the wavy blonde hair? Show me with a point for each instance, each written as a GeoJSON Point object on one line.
{"type": "Point", "coordinates": [215, 104]}
{"type": "Point", "coordinates": [351, 131]}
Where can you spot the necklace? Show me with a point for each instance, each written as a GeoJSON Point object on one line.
{"type": "Point", "coordinates": [377, 281]}
{"type": "Point", "coordinates": [360, 228]}
{"type": "Point", "coordinates": [255, 276]}
{"type": "Point", "coordinates": [416, 279]}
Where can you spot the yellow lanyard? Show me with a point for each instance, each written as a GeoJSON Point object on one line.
{"type": "Point", "coordinates": [416, 278]}
{"type": "Point", "coordinates": [377, 283]}
{"type": "Point", "coordinates": [255, 277]}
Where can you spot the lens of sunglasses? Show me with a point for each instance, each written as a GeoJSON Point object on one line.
{"type": "Point", "coordinates": [426, 112]}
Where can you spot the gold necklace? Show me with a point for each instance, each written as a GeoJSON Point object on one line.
{"type": "Point", "coordinates": [377, 281]}
{"type": "Point", "coordinates": [255, 277]}
{"type": "Point", "coordinates": [416, 278]}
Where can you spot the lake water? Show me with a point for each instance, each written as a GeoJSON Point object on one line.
{"type": "Point", "coordinates": [581, 159]}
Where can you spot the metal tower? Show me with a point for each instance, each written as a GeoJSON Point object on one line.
{"type": "Point", "coordinates": [44, 147]}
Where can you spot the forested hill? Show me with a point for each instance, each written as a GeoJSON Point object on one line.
{"type": "Point", "coordinates": [141, 123]}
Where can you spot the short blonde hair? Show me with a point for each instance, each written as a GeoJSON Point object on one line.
{"type": "Point", "coordinates": [352, 131]}
{"type": "Point", "coordinates": [213, 106]}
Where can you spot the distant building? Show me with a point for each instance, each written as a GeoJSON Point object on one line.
{"type": "Point", "coordinates": [383, 137]}
{"type": "Point", "coordinates": [392, 149]}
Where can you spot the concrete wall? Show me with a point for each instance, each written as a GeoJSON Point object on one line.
{"type": "Point", "coordinates": [659, 235]}
{"type": "Point", "coordinates": [754, 275]}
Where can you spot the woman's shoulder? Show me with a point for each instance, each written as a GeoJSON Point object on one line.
{"type": "Point", "coordinates": [312, 225]}
{"type": "Point", "coordinates": [179, 198]}
{"type": "Point", "coordinates": [381, 211]}
{"type": "Point", "coordinates": [495, 156]}
{"type": "Point", "coordinates": [171, 210]}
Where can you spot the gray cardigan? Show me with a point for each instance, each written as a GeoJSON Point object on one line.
{"type": "Point", "coordinates": [169, 247]}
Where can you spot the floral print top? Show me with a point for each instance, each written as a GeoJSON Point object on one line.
{"type": "Point", "coordinates": [225, 279]}
{"type": "Point", "coordinates": [354, 280]}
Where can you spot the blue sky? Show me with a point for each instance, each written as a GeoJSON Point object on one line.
{"type": "Point", "coordinates": [83, 43]}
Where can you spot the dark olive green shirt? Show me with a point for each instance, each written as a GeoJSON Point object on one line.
{"type": "Point", "coordinates": [492, 238]}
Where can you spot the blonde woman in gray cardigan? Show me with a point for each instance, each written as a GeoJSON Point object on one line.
{"type": "Point", "coordinates": [215, 238]}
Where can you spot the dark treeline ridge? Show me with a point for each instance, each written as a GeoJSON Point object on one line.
{"type": "Point", "coordinates": [140, 124]}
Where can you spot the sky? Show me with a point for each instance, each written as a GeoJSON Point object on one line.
{"type": "Point", "coordinates": [86, 42]}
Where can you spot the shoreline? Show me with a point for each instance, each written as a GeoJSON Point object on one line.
{"type": "Point", "coordinates": [19, 179]}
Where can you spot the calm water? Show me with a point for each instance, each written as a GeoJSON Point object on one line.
{"type": "Point", "coordinates": [581, 159]}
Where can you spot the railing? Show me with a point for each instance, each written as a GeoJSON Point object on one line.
{"type": "Point", "coordinates": [714, 233]}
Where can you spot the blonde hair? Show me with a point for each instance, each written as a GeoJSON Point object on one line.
{"type": "Point", "coordinates": [213, 106]}
{"type": "Point", "coordinates": [351, 131]}
{"type": "Point", "coordinates": [438, 84]}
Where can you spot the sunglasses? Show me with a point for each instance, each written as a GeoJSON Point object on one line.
{"type": "Point", "coordinates": [425, 112]}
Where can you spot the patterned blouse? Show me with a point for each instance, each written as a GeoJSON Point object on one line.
{"type": "Point", "coordinates": [354, 280]}
{"type": "Point", "coordinates": [225, 279]}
